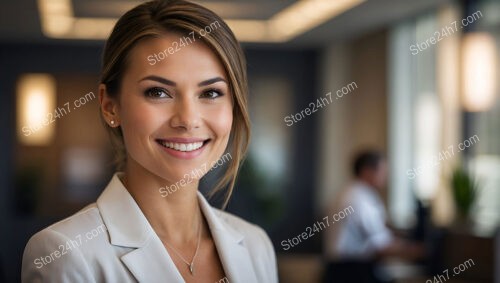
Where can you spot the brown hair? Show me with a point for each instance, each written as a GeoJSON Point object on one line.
{"type": "Point", "coordinates": [155, 18]}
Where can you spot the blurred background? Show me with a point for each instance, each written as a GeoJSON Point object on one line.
{"type": "Point", "coordinates": [414, 79]}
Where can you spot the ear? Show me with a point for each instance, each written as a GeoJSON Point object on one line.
{"type": "Point", "coordinates": [109, 107]}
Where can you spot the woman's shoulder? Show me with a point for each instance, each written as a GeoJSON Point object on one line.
{"type": "Point", "coordinates": [231, 222]}
{"type": "Point", "coordinates": [62, 243]}
{"type": "Point", "coordinates": [254, 236]}
{"type": "Point", "coordinates": [81, 222]}
{"type": "Point", "coordinates": [72, 232]}
{"type": "Point", "coordinates": [241, 225]}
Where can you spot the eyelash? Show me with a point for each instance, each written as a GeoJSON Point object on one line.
{"type": "Point", "coordinates": [148, 93]}
{"type": "Point", "coordinates": [213, 90]}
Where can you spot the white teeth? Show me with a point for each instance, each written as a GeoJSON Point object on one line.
{"type": "Point", "coordinates": [182, 146]}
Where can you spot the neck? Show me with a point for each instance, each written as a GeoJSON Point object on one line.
{"type": "Point", "coordinates": [175, 216]}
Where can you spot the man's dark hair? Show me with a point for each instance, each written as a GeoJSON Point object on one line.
{"type": "Point", "coordinates": [368, 159]}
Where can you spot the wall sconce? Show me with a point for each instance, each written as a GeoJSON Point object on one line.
{"type": "Point", "coordinates": [35, 109]}
{"type": "Point", "coordinates": [479, 71]}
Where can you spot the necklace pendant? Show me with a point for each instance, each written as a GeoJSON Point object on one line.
{"type": "Point", "coordinates": [191, 268]}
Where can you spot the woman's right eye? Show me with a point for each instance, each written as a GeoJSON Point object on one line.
{"type": "Point", "coordinates": [156, 92]}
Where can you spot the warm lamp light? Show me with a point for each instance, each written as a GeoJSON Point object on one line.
{"type": "Point", "coordinates": [479, 71]}
{"type": "Point", "coordinates": [35, 109]}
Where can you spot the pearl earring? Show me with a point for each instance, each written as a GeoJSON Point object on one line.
{"type": "Point", "coordinates": [112, 122]}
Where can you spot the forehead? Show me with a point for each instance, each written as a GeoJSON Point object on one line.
{"type": "Point", "coordinates": [165, 55]}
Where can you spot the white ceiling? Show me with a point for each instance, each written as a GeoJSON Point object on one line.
{"type": "Point", "coordinates": [20, 21]}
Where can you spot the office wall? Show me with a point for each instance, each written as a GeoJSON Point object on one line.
{"type": "Point", "coordinates": [356, 120]}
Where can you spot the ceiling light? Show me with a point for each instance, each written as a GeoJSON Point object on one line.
{"type": "Point", "coordinates": [58, 21]}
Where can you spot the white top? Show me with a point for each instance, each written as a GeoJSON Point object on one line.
{"type": "Point", "coordinates": [360, 234]}
{"type": "Point", "coordinates": [112, 241]}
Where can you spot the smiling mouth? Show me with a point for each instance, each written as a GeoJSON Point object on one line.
{"type": "Point", "coordinates": [183, 147]}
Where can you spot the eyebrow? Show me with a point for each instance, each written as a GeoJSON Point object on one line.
{"type": "Point", "coordinates": [212, 81]}
{"type": "Point", "coordinates": [171, 83]}
{"type": "Point", "coordinates": [158, 79]}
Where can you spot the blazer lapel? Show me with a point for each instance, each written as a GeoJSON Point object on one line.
{"type": "Point", "coordinates": [149, 261]}
{"type": "Point", "coordinates": [128, 227]}
{"type": "Point", "coordinates": [229, 242]}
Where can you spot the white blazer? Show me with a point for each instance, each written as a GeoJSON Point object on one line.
{"type": "Point", "coordinates": [112, 241]}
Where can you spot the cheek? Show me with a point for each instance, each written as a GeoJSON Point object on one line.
{"type": "Point", "coordinates": [138, 119]}
{"type": "Point", "coordinates": [221, 121]}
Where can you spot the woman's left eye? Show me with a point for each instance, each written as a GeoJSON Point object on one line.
{"type": "Point", "coordinates": [211, 94]}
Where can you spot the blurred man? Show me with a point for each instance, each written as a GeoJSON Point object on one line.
{"type": "Point", "coordinates": [355, 244]}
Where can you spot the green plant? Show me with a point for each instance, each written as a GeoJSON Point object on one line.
{"type": "Point", "coordinates": [256, 183]}
{"type": "Point", "coordinates": [465, 190]}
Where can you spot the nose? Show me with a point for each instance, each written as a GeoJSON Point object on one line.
{"type": "Point", "coordinates": [186, 114]}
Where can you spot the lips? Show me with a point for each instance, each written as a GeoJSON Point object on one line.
{"type": "Point", "coordinates": [182, 146]}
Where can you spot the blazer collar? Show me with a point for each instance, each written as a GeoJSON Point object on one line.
{"type": "Point", "coordinates": [149, 261]}
{"type": "Point", "coordinates": [127, 225]}
{"type": "Point", "coordinates": [232, 252]}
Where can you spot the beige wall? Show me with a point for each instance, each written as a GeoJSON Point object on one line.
{"type": "Point", "coordinates": [356, 120]}
{"type": "Point", "coordinates": [368, 105]}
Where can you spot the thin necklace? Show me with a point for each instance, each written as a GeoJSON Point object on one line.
{"type": "Point", "coordinates": [190, 265]}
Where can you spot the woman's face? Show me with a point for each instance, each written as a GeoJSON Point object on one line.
{"type": "Point", "coordinates": [176, 115]}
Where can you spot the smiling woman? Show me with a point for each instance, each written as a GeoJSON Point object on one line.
{"type": "Point", "coordinates": [165, 120]}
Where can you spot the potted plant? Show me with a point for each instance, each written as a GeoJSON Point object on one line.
{"type": "Point", "coordinates": [464, 189]}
